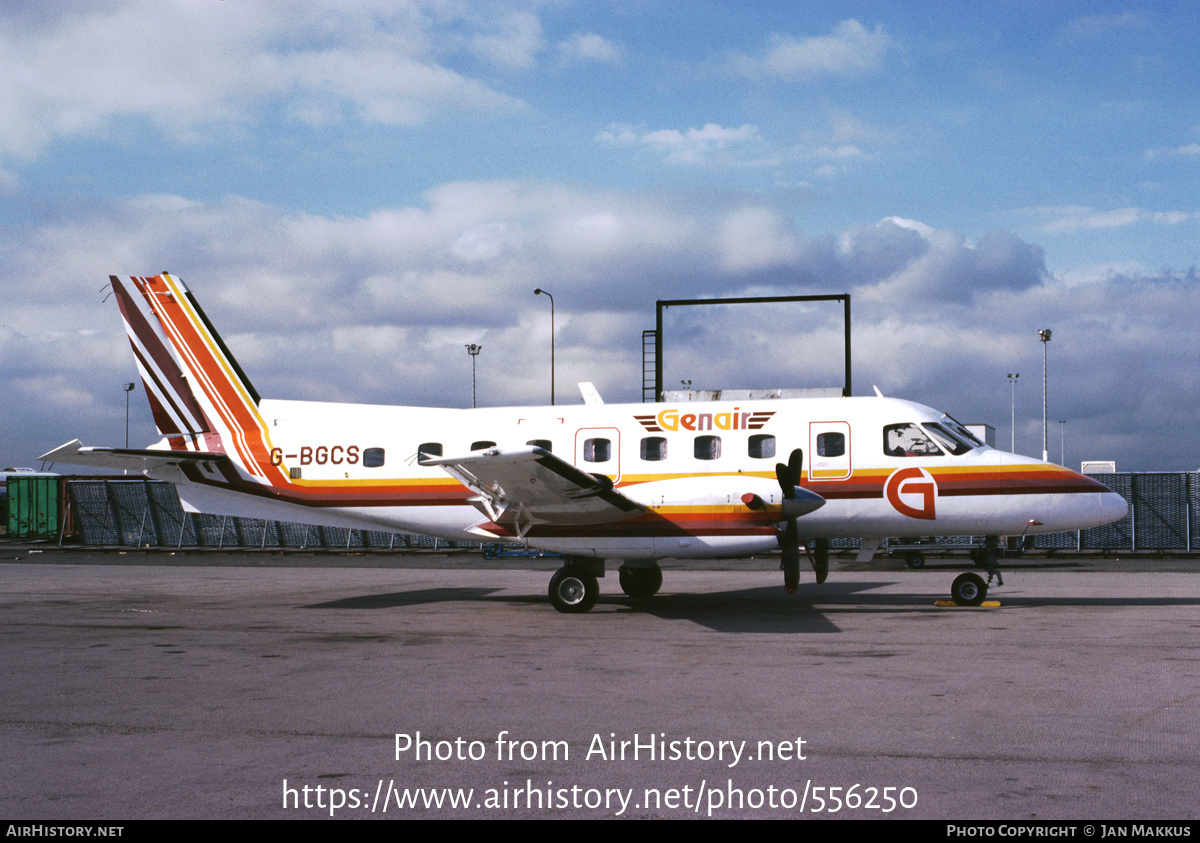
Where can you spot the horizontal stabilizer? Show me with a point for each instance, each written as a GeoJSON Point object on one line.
{"type": "Point", "coordinates": [127, 459]}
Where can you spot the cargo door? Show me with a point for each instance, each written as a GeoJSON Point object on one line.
{"type": "Point", "coordinates": [829, 451]}
{"type": "Point", "coordinates": [598, 451]}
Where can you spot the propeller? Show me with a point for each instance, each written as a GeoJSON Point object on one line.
{"type": "Point", "coordinates": [797, 501]}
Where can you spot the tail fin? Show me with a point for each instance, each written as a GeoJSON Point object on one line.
{"type": "Point", "coordinates": [200, 397]}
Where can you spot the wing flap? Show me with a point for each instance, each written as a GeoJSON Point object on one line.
{"type": "Point", "coordinates": [527, 486]}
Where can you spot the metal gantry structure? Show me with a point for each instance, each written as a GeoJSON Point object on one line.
{"type": "Point", "coordinates": [663, 304]}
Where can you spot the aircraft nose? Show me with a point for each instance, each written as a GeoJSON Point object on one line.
{"type": "Point", "coordinates": [1106, 507]}
{"type": "Point", "coordinates": [1113, 506]}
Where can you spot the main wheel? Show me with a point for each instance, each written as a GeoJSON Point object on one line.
{"type": "Point", "coordinates": [968, 590]}
{"type": "Point", "coordinates": [640, 583]}
{"type": "Point", "coordinates": [573, 590]}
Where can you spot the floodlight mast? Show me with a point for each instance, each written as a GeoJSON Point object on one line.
{"type": "Point", "coordinates": [1044, 336]}
{"type": "Point", "coordinates": [663, 304]}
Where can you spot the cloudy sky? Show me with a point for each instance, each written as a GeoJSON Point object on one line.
{"type": "Point", "coordinates": [355, 190]}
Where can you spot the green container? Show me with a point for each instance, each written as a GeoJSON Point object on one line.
{"type": "Point", "coordinates": [32, 507]}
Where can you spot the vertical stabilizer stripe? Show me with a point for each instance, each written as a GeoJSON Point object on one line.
{"type": "Point", "coordinates": [216, 379]}
{"type": "Point", "coordinates": [159, 366]}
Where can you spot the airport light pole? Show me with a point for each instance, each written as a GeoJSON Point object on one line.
{"type": "Point", "coordinates": [1044, 336]}
{"type": "Point", "coordinates": [1062, 442]}
{"type": "Point", "coordinates": [128, 387]}
{"type": "Point", "coordinates": [540, 292]}
{"type": "Point", "coordinates": [473, 350]}
{"type": "Point", "coordinates": [1012, 380]}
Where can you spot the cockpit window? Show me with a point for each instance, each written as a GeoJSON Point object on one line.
{"type": "Point", "coordinates": [962, 431]}
{"type": "Point", "coordinates": [948, 439]}
{"type": "Point", "coordinates": [908, 440]}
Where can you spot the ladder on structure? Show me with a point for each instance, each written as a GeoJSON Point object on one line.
{"type": "Point", "coordinates": [649, 366]}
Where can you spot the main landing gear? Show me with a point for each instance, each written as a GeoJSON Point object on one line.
{"type": "Point", "coordinates": [574, 589]}
{"type": "Point", "coordinates": [641, 581]}
{"type": "Point", "coordinates": [970, 589]}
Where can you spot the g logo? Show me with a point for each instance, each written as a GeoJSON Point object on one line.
{"type": "Point", "coordinates": [911, 482]}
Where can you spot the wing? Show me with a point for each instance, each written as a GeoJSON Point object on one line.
{"type": "Point", "coordinates": [522, 487]}
{"type": "Point", "coordinates": [132, 459]}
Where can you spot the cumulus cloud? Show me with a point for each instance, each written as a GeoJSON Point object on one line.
{"type": "Point", "coordinates": [1069, 219]}
{"type": "Point", "coordinates": [377, 308]}
{"type": "Point", "coordinates": [829, 151]}
{"type": "Point", "coordinates": [1187, 150]}
{"type": "Point", "coordinates": [208, 67]}
{"type": "Point", "coordinates": [588, 47]}
{"type": "Point", "coordinates": [849, 50]}
{"type": "Point", "coordinates": [708, 145]}
{"type": "Point", "coordinates": [511, 39]}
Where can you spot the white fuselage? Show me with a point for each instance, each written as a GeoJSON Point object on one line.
{"type": "Point", "coordinates": [880, 466]}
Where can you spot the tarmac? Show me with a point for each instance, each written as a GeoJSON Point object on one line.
{"type": "Point", "coordinates": [158, 685]}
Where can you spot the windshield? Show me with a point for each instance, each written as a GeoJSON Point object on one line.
{"type": "Point", "coordinates": [907, 440]}
{"type": "Point", "coordinates": [962, 431]}
{"type": "Point", "coordinates": [948, 439]}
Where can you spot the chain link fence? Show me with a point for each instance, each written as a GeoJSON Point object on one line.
{"type": "Point", "coordinates": [147, 513]}
{"type": "Point", "coordinates": [1164, 515]}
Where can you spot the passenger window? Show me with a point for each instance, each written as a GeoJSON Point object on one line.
{"type": "Point", "coordinates": [707, 447]}
{"type": "Point", "coordinates": [654, 448]}
{"type": "Point", "coordinates": [762, 446]}
{"type": "Point", "coordinates": [597, 450]}
{"type": "Point", "coordinates": [426, 452]}
{"type": "Point", "coordinates": [482, 444]}
{"type": "Point", "coordinates": [544, 444]}
{"type": "Point", "coordinates": [373, 457]}
{"type": "Point", "coordinates": [831, 444]}
{"type": "Point", "coordinates": [908, 440]}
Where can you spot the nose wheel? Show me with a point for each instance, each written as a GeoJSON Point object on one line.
{"type": "Point", "coordinates": [968, 590]}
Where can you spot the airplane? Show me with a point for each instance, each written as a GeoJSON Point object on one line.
{"type": "Point", "coordinates": [594, 481]}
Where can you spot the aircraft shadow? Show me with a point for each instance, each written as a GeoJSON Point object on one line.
{"type": "Point", "coordinates": [771, 609]}
{"type": "Point", "coordinates": [760, 609]}
{"type": "Point", "coordinates": [397, 599]}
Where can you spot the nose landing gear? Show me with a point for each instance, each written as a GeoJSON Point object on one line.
{"type": "Point", "coordinates": [969, 589]}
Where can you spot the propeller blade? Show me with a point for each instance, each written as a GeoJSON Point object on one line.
{"type": "Point", "coordinates": [820, 560]}
{"type": "Point", "coordinates": [789, 475]}
{"type": "Point", "coordinates": [783, 475]}
{"type": "Point", "coordinates": [796, 466]}
{"type": "Point", "coordinates": [791, 557]}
